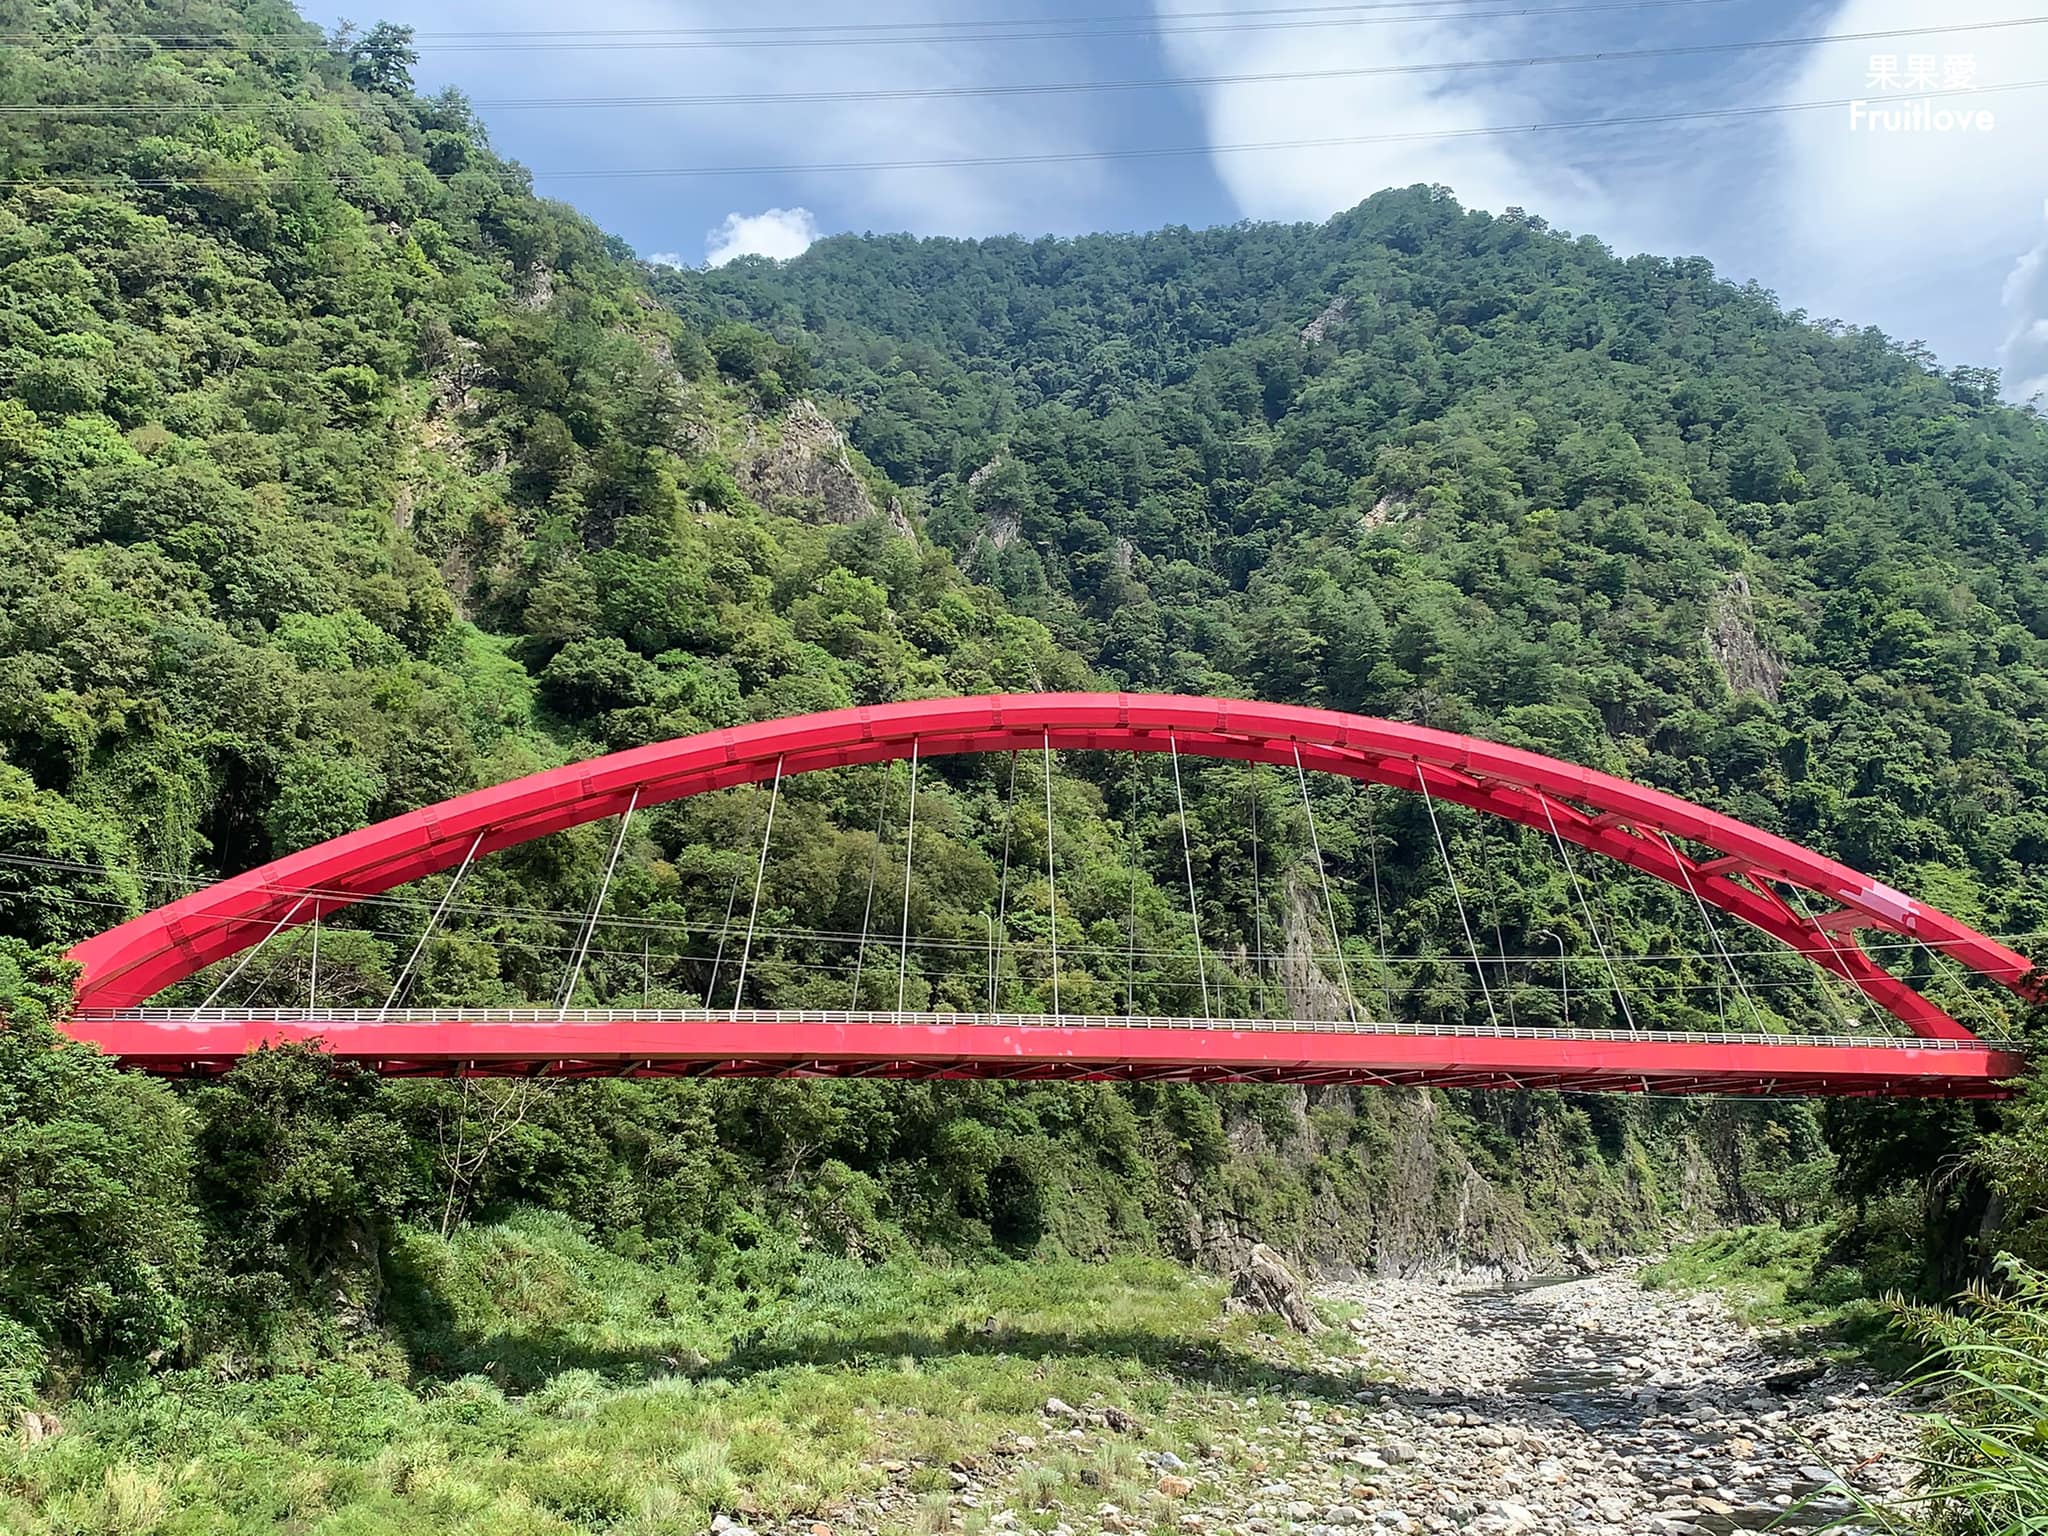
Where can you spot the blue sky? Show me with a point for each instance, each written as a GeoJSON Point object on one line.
{"type": "Point", "coordinates": [1938, 236]}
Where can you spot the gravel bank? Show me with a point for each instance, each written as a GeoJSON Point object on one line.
{"type": "Point", "coordinates": [1597, 1406]}
{"type": "Point", "coordinates": [1583, 1408]}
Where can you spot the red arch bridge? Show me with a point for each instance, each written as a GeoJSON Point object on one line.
{"type": "Point", "coordinates": [1734, 874]}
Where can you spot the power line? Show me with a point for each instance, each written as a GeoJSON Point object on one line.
{"type": "Point", "coordinates": [1059, 157]}
{"type": "Point", "coordinates": [1654, 984]}
{"type": "Point", "coordinates": [336, 899]}
{"type": "Point", "coordinates": [1452, 9]}
{"type": "Point", "coordinates": [885, 34]}
{"type": "Point", "coordinates": [1066, 87]}
{"type": "Point", "coordinates": [834, 28]}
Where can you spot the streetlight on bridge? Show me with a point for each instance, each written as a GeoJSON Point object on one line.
{"type": "Point", "coordinates": [1564, 986]}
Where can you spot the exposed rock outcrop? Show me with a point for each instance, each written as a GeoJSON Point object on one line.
{"type": "Point", "coordinates": [1312, 990]}
{"type": "Point", "coordinates": [808, 470]}
{"type": "Point", "coordinates": [1004, 524]}
{"type": "Point", "coordinates": [537, 290]}
{"type": "Point", "coordinates": [1005, 519]}
{"type": "Point", "coordinates": [1737, 648]}
{"type": "Point", "coordinates": [1388, 509]}
{"type": "Point", "coordinates": [1332, 316]}
{"type": "Point", "coordinates": [1266, 1284]}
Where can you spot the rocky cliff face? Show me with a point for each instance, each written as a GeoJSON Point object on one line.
{"type": "Point", "coordinates": [1737, 647]}
{"type": "Point", "coordinates": [1389, 1183]}
{"type": "Point", "coordinates": [1306, 973]}
{"type": "Point", "coordinates": [1318, 329]}
{"type": "Point", "coordinates": [1344, 1182]}
{"type": "Point", "coordinates": [803, 467]}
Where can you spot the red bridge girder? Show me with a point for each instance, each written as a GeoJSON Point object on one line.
{"type": "Point", "coordinates": [765, 1043]}
{"type": "Point", "coordinates": [1631, 823]}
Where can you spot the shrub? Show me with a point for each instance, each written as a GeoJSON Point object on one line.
{"type": "Point", "coordinates": [1986, 1460]}
{"type": "Point", "coordinates": [22, 1358]}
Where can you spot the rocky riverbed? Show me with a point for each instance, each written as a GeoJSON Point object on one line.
{"type": "Point", "coordinates": [1585, 1406]}
{"type": "Point", "coordinates": [1594, 1406]}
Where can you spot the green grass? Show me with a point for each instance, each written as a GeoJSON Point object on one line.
{"type": "Point", "coordinates": [1785, 1278]}
{"type": "Point", "coordinates": [582, 1392]}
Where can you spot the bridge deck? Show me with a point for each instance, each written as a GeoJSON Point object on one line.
{"type": "Point", "coordinates": [1031, 1047]}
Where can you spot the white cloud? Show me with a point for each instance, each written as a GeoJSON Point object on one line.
{"type": "Point", "coordinates": [1491, 173]}
{"type": "Point", "coordinates": [666, 259]}
{"type": "Point", "coordinates": [938, 197]}
{"type": "Point", "coordinates": [1912, 231]}
{"type": "Point", "coordinates": [1917, 229]}
{"type": "Point", "coordinates": [2025, 353]}
{"type": "Point", "coordinates": [778, 232]}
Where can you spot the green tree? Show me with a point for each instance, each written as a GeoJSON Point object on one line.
{"type": "Point", "coordinates": [301, 1168]}
{"type": "Point", "coordinates": [382, 59]}
{"type": "Point", "coordinates": [98, 1240]}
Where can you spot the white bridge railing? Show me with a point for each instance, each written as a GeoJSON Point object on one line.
{"type": "Point", "coordinates": [346, 1018]}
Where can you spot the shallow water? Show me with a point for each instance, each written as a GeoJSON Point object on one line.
{"type": "Point", "coordinates": [1573, 1386]}
{"type": "Point", "coordinates": [1800, 1517]}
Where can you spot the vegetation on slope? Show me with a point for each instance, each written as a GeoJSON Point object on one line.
{"type": "Point", "coordinates": [1433, 464]}
{"type": "Point", "coordinates": [339, 473]}
{"type": "Point", "coordinates": [1429, 463]}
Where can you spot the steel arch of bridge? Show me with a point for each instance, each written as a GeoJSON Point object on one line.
{"type": "Point", "coordinates": [1631, 823]}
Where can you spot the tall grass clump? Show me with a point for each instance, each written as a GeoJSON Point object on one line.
{"type": "Point", "coordinates": [1984, 1469]}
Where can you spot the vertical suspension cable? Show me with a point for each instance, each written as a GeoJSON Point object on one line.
{"type": "Point", "coordinates": [909, 852]}
{"type": "Point", "coordinates": [867, 911]}
{"type": "Point", "coordinates": [1002, 923]}
{"type": "Point", "coordinates": [1713, 932]}
{"type": "Point", "coordinates": [1131, 853]}
{"type": "Point", "coordinates": [1564, 981]}
{"type": "Point", "coordinates": [1052, 894]}
{"type": "Point", "coordinates": [732, 896]}
{"type": "Point", "coordinates": [313, 976]}
{"type": "Point", "coordinates": [1188, 862]}
{"type": "Point", "coordinates": [760, 873]}
{"type": "Point", "coordinates": [1315, 842]}
{"type": "Point", "coordinates": [1833, 1001]}
{"type": "Point", "coordinates": [1379, 916]}
{"type": "Point", "coordinates": [1585, 906]}
{"type": "Point", "coordinates": [604, 885]}
{"type": "Point", "coordinates": [1258, 896]}
{"type": "Point", "coordinates": [433, 921]}
{"type": "Point", "coordinates": [1444, 851]}
{"type": "Point", "coordinates": [1500, 939]}
{"type": "Point", "coordinates": [1680, 986]}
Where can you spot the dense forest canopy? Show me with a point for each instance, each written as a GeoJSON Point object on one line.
{"type": "Point", "coordinates": [339, 473]}
{"type": "Point", "coordinates": [1428, 463]}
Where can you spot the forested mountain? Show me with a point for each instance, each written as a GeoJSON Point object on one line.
{"type": "Point", "coordinates": [1428, 463]}
{"type": "Point", "coordinates": [1433, 464]}
{"type": "Point", "coordinates": [339, 474]}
